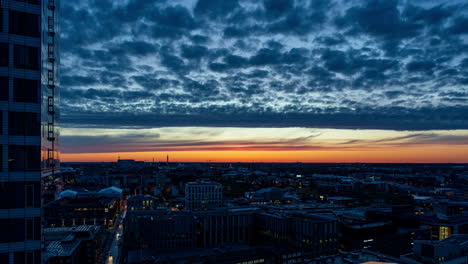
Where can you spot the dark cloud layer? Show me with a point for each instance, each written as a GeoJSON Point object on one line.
{"type": "Point", "coordinates": [399, 65]}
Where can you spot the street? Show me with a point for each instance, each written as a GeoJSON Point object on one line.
{"type": "Point", "coordinates": [114, 249]}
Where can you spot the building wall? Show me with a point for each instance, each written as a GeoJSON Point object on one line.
{"type": "Point", "coordinates": [72, 212]}
{"type": "Point", "coordinates": [273, 229]}
{"type": "Point", "coordinates": [218, 229]}
{"type": "Point", "coordinates": [22, 123]}
{"type": "Point", "coordinates": [315, 235]}
{"type": "Point", "coordinates": [141, 202]}
{"type": "Point", "coordinates": [309, 235]}
{"type": "Point", "coordinates": [159, 230]}
{"type": "Point", "coordinates": [203, 196]}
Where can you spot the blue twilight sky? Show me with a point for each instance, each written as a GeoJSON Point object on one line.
{"type": "Point", "coordinates": [354, 64]}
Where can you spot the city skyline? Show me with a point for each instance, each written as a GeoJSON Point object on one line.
{"type": "Point", "coordinates": [376, 68]}
{"type": "Point", "coordinates": [233, 131]}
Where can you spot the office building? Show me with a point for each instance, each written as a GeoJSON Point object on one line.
{"type": "Point", "coordinates": [159, 229]}
{"type": "Point", "coordinates": [225, 226]}
{"type": "Point", "coordinates": [163, 229]}
{"type": "Point", "coordinates": [141, 202]}
{"type": "Point", "coordinates": [267, 195]}
{"type": "Point", "coordinates": [310, 235]}
{"type": "Point", "coordinates": [84, 207]}
{"type": "Point", "coordinates": [203, 195]}
{"type": "Point", "coordinates": [290, 237]}
{"type": "Point", "coordinates": [445, 226]}
{"type": "Point", "coordinates": [451, 250]}
{"type": "Point", "coordinates": [28, 121]}
{"type": "Point", "coordinates": [238, 254]}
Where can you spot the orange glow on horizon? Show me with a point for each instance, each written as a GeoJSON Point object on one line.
{"type": "Point", "coordinates": [404, 154]}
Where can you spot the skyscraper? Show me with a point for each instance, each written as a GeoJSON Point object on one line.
{"type": "Point", "coordinates": [29, 124]}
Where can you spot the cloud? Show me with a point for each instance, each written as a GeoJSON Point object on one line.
{"type": "Point", "coordinates": [413, 140]}
{"type": "Point", "coordinates": [194, 51]}
{"type": "Point", "coordinates": [87, 144]}
{"type": "Point", "coordinates": [231, 139]}
{"type": "Point", "coordinates": [397, 65]}
{"type": "Point", "coordinates": [420, 66]}
{"type": "Point", "coordinates": [135, 48]}
{"type": "Point", "coordinates": [276, 8]}
{"type": "Point", "coordinates": [382, 20]}
{"type": "Point", "coordinates": [459, 26]}
{"type": "Point", "coordinates": [77, 80]}
{"type": "Point", "coordinates": [214, 9]}
{"type": "Point", "coordinates": [394, 118]}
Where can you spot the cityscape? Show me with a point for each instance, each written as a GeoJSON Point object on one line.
{"type": "Point", "coordinates": [234, 131]}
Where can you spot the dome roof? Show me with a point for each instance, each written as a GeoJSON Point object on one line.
{"type": "Point", "coordinates": [111, 191]}
{"type": "Point", "coordinates": [68, 194]}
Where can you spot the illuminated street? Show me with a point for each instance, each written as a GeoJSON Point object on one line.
{"type": "Point", "coordinates": [114, 250]}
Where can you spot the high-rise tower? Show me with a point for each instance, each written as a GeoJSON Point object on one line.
{"type": "Point", "coordinates": [28, 122]}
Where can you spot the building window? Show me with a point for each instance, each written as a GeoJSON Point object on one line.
{"type": "Point", "coordinates": [13, 230]}
{"type": "Point", "coordinates": [33, 228]}
{"type": "Point", "coordinates": [25, 91]}
{"type": "Point", "coordinates": [24, 158]}
{"type": "Point", "coordinates": [444, 232]}
{"type": "Point", "coordinates": [4, 54]}
{"type": "Point", "coordinates": [20, 195]}
{"type": "Point", "coordinates": [24, 124]}
{"type": "Point", "coordinates": [5, 258]}
{"type": "Point", "coordinates": [20, 257]}
{"type": "Point", "coordinates": [26, 57]}
{"type": "Point", "coordinates": [1, 27]}
{"type": "Point", "coordinates": [28, 257]}
{"type": "Point", "coordinates": [29, 198]}
{"type": "Point", "coordinates": [4, 88]}
{"type": "Point", "coordinates": [29, 229]}
{"type": "Point", "coordinates": [33, 2]}
{"type": "Point", "coordinates": [50, 104]}
{"type": "Point", "coordinates": [37, 257]}
{"type": "Point", "coordinates": [24, 24]}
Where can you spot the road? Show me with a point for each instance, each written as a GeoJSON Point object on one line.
{"type": "Point", "coordinates": [114, 250]}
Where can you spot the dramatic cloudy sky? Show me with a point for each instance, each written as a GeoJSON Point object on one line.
{"type": "Point", "coordinates": [271, 75]}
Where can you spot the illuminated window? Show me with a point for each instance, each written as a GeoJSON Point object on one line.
{"type": "Point", "coordinates": [444, 232]}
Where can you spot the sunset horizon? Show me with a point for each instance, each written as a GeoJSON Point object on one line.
{"type": "Point", "coordinates": [251, 76]}
{"type": "Point", "coordinates": [214, 157]}
{"type": "Point", "coordinates": [234, 144]}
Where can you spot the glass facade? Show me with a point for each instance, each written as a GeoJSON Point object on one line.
{"type": "Point", "coordinates": [50, 155]}
{"type": "Point", "coordinates": [28, 122]}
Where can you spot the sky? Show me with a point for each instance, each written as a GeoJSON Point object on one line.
{"type": "Point", "coordinates": [260, 81]}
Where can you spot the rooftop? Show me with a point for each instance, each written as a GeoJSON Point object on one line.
{"type": "Point", "coordinates": [68, 239]}
{"type": "Point", "coordinates": [458, 240]}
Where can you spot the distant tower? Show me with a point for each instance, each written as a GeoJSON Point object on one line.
{"type": "Point", "coordinates": [167, 159]}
